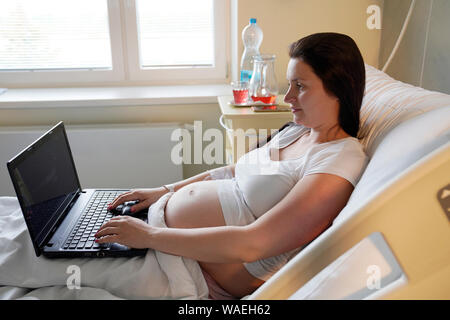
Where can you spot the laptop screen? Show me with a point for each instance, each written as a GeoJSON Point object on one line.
{"type": "Point", "coordinates": [45, 180]}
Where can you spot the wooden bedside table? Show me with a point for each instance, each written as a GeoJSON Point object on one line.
{"type": "Point", "coordinates": [245, 127]}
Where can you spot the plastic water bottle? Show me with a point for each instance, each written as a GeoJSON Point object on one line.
{"type": "Point", "coordinates": [252, 37]}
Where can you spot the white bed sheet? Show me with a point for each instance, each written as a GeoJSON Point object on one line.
{"type": "Point", "coordinates": [156, 275]}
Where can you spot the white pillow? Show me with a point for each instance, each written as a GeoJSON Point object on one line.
{"type": "Point", "coordinates": [401, 124]}
{"type": "Point", "coordinates": [388, 102]}
{"type": "Point", "coordinates": [401, 147]}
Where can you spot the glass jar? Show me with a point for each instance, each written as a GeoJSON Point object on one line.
{"type": "Point", "coordinates": [263, 84]}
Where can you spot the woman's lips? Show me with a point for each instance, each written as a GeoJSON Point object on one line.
{"type": "Point", "coordinates": [295, 110]}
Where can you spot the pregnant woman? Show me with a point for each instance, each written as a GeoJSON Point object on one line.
{"type": "Point", "coordinates": [243, 222]}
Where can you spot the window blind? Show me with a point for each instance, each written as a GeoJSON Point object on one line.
{"type": "Point", "coordinates": [175, 33]}
{"type": "Point", "coordinates": [54, 34]}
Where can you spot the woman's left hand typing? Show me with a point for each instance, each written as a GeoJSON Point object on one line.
{"type": "Point", "coordinates": [126, 230]}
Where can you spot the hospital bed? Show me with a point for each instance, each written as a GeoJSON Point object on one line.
{"type": "Point", "coordinates": [391, 241]}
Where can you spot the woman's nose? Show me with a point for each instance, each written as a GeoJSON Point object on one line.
{"type": "Point", "coordinates": [288, 97]}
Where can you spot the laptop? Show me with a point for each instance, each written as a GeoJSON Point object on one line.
{"type": "Point", "coordinates": [61, 217]}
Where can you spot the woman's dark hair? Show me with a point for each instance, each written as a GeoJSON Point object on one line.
{"type": "Point", "coordinates": [337, 61]}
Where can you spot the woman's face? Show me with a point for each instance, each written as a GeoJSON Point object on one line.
{"type": "Point", "coordinates": [311, 105]}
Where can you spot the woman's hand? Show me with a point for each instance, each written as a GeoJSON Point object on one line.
{"type": "Point", "coordinates": [145, 196]}
{"type": "Point", "coordinates": [125, 230]}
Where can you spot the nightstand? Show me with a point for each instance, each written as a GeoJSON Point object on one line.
{"type": "Point", "coordinates": [244, 127]}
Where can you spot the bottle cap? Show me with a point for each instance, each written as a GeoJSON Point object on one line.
{"type": "Point", "coordinates": [252, 20]}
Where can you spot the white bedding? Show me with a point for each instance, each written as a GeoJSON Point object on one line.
{"type": "Point", "coordinates": [156, 275]}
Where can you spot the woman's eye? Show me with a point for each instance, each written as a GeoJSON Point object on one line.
{"type": "Point", "coordinates": [297, 85]}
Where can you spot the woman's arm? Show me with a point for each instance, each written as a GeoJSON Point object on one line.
{"type": "Point", "coordinates": [212, 244]}
{"type": "Point", "coordinates": [305, 212]}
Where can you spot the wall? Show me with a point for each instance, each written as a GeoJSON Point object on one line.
{"type": "Point", "coordinates": [423, 57]}
{"type": "Point", "coordinates": [286, 21]}
{"type": "Point", "coordinates": [208, 113]}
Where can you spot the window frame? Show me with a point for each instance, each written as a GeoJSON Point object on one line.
{"type": "Point", "coordinates": [65, 76]}
{"type": "Point", "coordinates": [125, 58]}
{"type": "Point", "coordinates": [217, 72]}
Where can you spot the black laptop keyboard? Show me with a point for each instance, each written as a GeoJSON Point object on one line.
{"type": "Point", "coordinates": [94, 216]}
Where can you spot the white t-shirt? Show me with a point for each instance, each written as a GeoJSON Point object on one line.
{"type": "Point", "coordinates": [260, 183]}
{"type": "Point", "coordinates": [264, 182]}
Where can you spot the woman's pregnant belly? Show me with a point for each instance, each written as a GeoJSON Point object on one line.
{"type": "Point", "coordinates": [196, 205]}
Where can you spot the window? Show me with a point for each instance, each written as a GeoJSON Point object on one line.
{"type": "Point", "coordinates": [176, 39]}
{"type": "Point", "coordinates": [39, 35]}
{"type": "Point", "coordinates": [57, 42]}
{"type": "Point", "coordinates": [166, 28]}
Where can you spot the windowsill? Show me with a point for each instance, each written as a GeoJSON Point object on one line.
{"type": "Point", "coordinates": [111, 96]}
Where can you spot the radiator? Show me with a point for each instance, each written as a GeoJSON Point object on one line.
{"type": "Point", "coordinates": [105, 156]}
